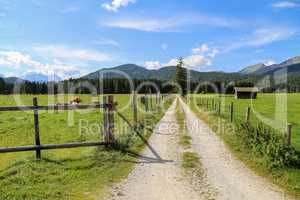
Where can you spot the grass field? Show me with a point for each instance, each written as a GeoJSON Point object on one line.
{"type": "Point", "coordinates": [267, 108]}
{"type": "Point", "coordinates": [264, 110]}
{"type": "Point", "coordinates": [82, 173]}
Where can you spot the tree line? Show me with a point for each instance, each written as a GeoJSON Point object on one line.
{"type": "Point", "coordinates": [124, 86]}
{"type": "Point", "coordinates": [85, 86]}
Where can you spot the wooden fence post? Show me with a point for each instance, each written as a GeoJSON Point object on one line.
{"type": "Point", "coordinates": [151, 103]}
{"type": "Point", "coordinates": [160, 99]}
{"type": "Point", "coordinates": [111, 119]}
{"type": "Point", "coordinates": [207, 103]}
{"type": "Point", "coordinates": [37, 128]}
{"type": "Point", "coordinates": [157, 102]}
{"type": "Point", "coordinates": [105, 119]}
{"type": "Point", "coordinates": [231, 112]}
{"type": "Point", "coordinates": [55, 103]}
{"type": "Point", "coordinates": [219, 110]}
{"type": "Point", "coordinates": [134, 101]}
{"type": "Point", "coordinates": [247, 118]}
{"type": "Point", "coordinates": [213, 104]}
{"type": "Point", "coordinates": [146, 103]}
{"type": "Point", "coordinates": [289, 134]}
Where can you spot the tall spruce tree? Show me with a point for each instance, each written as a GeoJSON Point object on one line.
{"type": "Point", "coordinates": [181, 77]}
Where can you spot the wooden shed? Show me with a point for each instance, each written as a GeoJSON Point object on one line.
{"type": "Point", "coordinates": [246, 92]}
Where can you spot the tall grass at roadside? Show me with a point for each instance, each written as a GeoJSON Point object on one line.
{"type": "Point", "coordinates": [269, 145]}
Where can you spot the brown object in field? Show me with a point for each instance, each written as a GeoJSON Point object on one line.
{"type": "Point", "coordinates": [76, 100]}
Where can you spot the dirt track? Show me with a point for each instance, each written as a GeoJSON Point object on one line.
{"type": "Point", "coordinates": [161, 178]}
{"type": "Point", "coordinates": [155, 179]}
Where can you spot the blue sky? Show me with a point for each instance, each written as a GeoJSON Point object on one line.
{"type": "Point", "coordinates": [75, 37]}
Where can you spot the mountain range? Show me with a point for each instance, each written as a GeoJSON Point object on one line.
{"type": "Point", "coordinates": [165, 73]}
{"type": "Point", "coordinates": [291, 66]}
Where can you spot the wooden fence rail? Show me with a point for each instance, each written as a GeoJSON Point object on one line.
{"type": "Point", "coordinates": [51, 146]}
{"type": "Point", "coordinates": [52, 107]}
{"type": "Point", "coordinates": [108, 106]}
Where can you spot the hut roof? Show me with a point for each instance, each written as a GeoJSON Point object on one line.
{"type": "Point", "coordinates": [246, 89]}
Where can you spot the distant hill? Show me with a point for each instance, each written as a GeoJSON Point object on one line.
{"type": "Point", "coordinates": [291, 65]}
{"type": "Point", "coordinates": [37, 77]}
{"type": "Point", "coordinates": [13, 80]}
{"type": "Point", "coordinates": [10, 79]}
{"type": "Point", "coordinates": [252, 69]}
{"type": "Point", "coordinates": [32, 77]}
{"type": "Point", "coordinates": [165, 73]}
{"type": "Point", "coordinates": [129, 69]}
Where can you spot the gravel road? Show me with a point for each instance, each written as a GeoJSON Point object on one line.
{"type": "Point", "coordinates": [159, 179]}
{"type": "Point", "coordinates": [159, 176]}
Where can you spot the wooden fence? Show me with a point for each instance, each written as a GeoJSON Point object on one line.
{"type": "Point", "coordinates": [108, 106]}
{"type": "Point", "coordinates": [216, 106]}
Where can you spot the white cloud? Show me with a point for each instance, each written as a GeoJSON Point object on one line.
{"type": "Point", "coordinates": [195, 61]}
{"type": "Point", "coordinates": [172, 62]}
{"type": "Point", "coordinates": [266, 36]}
{"type": "Point", "coordinates": [116, 4]}
{"type": "Point", "coordinates": [192, 61]}
{"type": "Point", "coordinates": [4, 62]}
{"type": "Point", "coordinates": [263, 36]}
{"type": "Point", "coordinates": [202, 57]}
{"type": "Point", "coordinates": [202, 49]}
{"type": "Point", "coordinates": [59, 68]}
{"type": "Point", "coordinates": [170, 24]}
{"type": "Point", "coordinates": [270, 62]}
{"type": "Point", "coordinates": [15, 59]}
{"type": "Point", "coordinates": [213, 53]}
{"type": "Point", "coordinates": [152, 64]}
{"type": "Point", "coordinates": [18, 60]}
{"type": "Point", "coordinates": [64, 52]}
{"type": "Point", "coordinates": [139, 24]}
{"type": "Point", "coordinates": [285, 4]}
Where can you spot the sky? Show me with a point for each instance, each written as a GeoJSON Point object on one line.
{"type": "Point", "coordinates": [74, 37]}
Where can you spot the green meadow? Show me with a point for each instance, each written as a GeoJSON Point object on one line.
{"type": "Point", "coordinates": [79, 173]}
